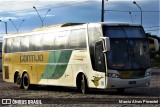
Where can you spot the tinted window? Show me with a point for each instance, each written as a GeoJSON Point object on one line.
{"type": "Point", "coordinates": [134, 32]}
{"type": "Point", "coordinates": [128, 54]}
{"type": "Point", "coordinates": [15, 44]}
{"type": "Point", "coordinates": [94, 35]}
{"type": "Point", "coordinates": [8, 45]}
{"type": "Point", "coordinates": [99, 57]}
{"type": "Point", "coordinates": [48, 41]}
{"type": "Point", "coordinates": [78, 38]}
{"type": "Point", "coordinates": [124, 32]}
{"type": "Point", "coordinates": [0, 46]}
{"type": "Point", "coordinates": [61, 41]}
{"type": "Point", "coordinates": [35, 43]}
{"type": "Point", "coordinates": [24, 43]}
{"type": "Point", "coordinates": [116, 32]}
{"type": "Point", "coordinates": [119, 57]}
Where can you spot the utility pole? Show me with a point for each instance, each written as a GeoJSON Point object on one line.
{"type": "Point", "coordinates": [131, 16]}
{"type": "Point", "coordinates": [17, 28]}
{"type": "Point", "coordinates": [5, 25]}
{"type": "Point", "coordinates": [41, 18]}
{"type": "Point", "coordinates": [140, 10]}
{"type": "Point", "coordinates": [102, 11]}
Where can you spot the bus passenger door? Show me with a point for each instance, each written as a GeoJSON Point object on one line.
{"type": "Point", "coordinates": [99, 57]}
{"type": "Point", "coordinates": [99, 75]}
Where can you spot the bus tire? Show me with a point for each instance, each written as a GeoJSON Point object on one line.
{"type": "Point", "coordinates": [26, 82]}
{"type": "Point", "coordinates": [18, 80]}
{"type": "Point", "coordinates": [84, 86]}
{"type": "Point", "coordinates": [121, 90]}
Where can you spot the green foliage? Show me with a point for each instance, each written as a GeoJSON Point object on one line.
{"type": "Point", "coordinates": [155, 59]}
{"type": "Point", "coordinates": [155, 56]}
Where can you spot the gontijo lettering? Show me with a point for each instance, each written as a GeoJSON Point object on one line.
{"type": "Point", "coordinates": [31, 58]}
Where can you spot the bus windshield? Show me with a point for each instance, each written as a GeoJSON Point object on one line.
{"type": "Point", "coordinates": [129, 48]}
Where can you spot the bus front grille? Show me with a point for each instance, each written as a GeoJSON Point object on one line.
{"type": "Point", "coordinates": [132, 74]}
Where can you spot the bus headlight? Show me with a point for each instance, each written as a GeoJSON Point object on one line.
{"type": "Point", "coordinates": [112, 75]}
{"type": "Point", "coordinates": [148, 74]}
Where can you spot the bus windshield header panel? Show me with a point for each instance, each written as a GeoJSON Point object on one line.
{"type": "Point", "coordinates": [124, 32]}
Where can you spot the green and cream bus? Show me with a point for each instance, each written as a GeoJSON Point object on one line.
{"type": "Point", "coordinates": [84, 55]}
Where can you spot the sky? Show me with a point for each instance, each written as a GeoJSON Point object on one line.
{"type": "Point", "coordinates": [65, 11]}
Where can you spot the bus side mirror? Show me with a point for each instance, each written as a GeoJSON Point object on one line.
{"type": "Point", "coordinates": [155, 45]}
{"type": "Point", "coordinates": [106, 44]}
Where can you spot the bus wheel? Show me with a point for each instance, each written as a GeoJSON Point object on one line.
{"type": "Point", "coordinates": [121, 90]}
{"type": "Point", "coordinates": [19, 81]}
{"type": "Point", "coordinates": [26, 81]}
{"type": "Point", "coordinates": [84, 86]}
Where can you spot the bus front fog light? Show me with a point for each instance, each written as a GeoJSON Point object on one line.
{"type": "Point", "coordinates": [148, 84]}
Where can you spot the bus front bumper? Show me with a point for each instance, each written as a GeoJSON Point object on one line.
{"type": "Point", "coordinates": [127, 83]}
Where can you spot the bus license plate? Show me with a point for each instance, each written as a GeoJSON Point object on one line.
{"type": "Point", "coordinates": [132, 82]}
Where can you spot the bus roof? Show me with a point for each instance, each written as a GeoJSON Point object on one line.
{"type": "Point", "coordinates": [57, 26]}
{"type": "Point", "coordinates": [118, 24]}
{"type": "Point", "coordinates": [47, 28]}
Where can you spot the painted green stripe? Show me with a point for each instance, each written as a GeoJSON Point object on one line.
{"type": "Point", "coordinates": [57, 64]}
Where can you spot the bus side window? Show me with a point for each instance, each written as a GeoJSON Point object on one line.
{"type": "Point", "coordinates": [61, 41]}
{"type": "Point", "coordinates": [24, 43]}
{"type": "Point", "coordinates": [0, 46]}
{"type": "Point", "coordinates": [7, 47]}
{"type": "Point", "coordinates": [9, 42]}
{"type": "Point", "coordinates": [35, 43]}
{"type": "Point", "coordinates": [77, 39]}
{"type": "Point", "coordinates": [48, 41]}
{"type": "Point", "coordinates": [15, 44]}
{"type": "Point", "coordinates": [94, 35]}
